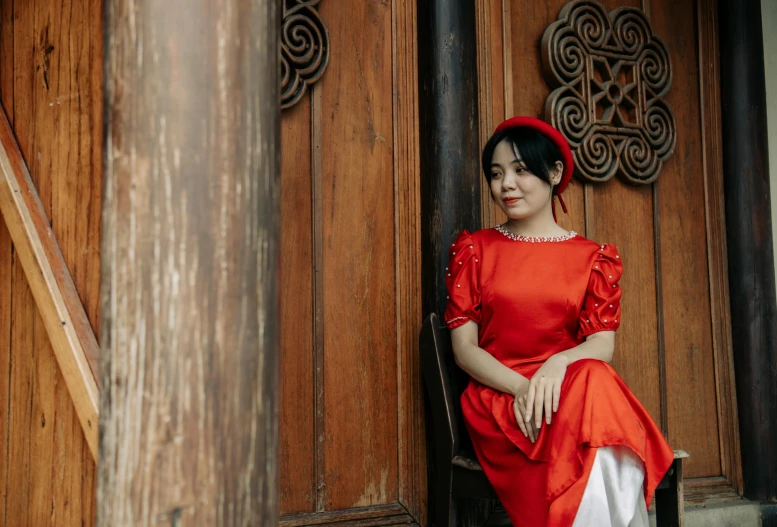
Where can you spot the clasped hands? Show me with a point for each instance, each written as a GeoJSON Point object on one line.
{"type": "Point", "coordinates": [540, 396]}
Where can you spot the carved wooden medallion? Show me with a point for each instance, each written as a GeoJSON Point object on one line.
{"type": "Point", "coordinates": [610, 74]}
{"type": "Point", "coordinates": [304, 49]}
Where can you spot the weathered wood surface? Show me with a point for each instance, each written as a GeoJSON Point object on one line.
{"type": "Point", "coordinates": [64, 318]}
{"type": "Point", "coordinates": [190, 264]}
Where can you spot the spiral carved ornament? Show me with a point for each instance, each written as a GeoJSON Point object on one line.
{"type": "Point", "coordinates": [609, 75]}
{"type": "Point", "coordinates": [304, 49]}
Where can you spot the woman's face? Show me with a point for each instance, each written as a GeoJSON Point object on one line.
{"type": "Point", "coordinates": [518, 192]}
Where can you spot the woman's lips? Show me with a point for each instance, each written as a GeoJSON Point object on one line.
{"type": "Point", "coordinates": [511, 201]}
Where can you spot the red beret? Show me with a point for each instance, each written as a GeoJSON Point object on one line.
{"type": "Point", "coordinates": [552, 134]}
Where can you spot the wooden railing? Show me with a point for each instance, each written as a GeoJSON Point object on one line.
{"type": "Point", "coordinates": [72, 338]}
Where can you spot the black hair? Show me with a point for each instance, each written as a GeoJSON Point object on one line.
{"type": "Point", "coordinates": [537, 152]}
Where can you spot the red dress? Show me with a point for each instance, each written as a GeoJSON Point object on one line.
{"type": "Point", "coordinates": [530, 301]}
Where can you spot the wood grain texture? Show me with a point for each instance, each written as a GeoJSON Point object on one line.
{"type": "Point", "coordinates": [690, 374]}
{"type": "Point", "coordinates": [376, 516]}
{"type": "Point", "coordinates": [360, 341]}
{"type": "Point", "coordinates": [297, 458]}
{"type": "Point", "coordinates": [316, 182]}
{"type": "Point", "coordinates": [190, 313]}
{"type": "Point", "coordinates": [411, 435]}
{"type": "Point", "coordinates": [709, 71]}
{"type": "Point", "coordinates": [37, 251]}
{"type": "Point", "coordinates": [51, 473]}
{"type": "Point", "coordinates": [6, 264]}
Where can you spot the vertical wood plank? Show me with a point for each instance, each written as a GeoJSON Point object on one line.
{"type": "Point", "coordinates": [74, 110]}
{"type": "Point", "coordinates": [709, 71]}
{"type": "Point", "coordinates": [6, 280]}
{"type": "Point", "coordinates": [691, 405]}
{"type": "Point", "coordinates": [49, 470]}
{"type": "Point", "coordinates": [6, 261]}
{"type": "Point", "coordinates": [358, 259]}
{"type": "Point", "coordinates": [191, 250]}
{"type": "Point", "coordinates": [7, 52]}
{"type": "Point", "coordinates": [297, 459]}
{"type": "Point", "coordinates": [407, 246]}
{"type": "Point", "coordinates": [317, 176]}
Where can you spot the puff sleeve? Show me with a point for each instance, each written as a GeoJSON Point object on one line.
{"type": "Point", "coordinates": [462, 280]}
{"type": "Point", "coordinates": [601, 309]}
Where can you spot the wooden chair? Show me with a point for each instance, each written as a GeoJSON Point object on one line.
{"type": "Point", "coordinates": [457, 471]}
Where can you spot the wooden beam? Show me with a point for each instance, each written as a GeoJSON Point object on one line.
{"type": "Point", "coordinates": [749, 239]}
{"type": "Point", "coordinates": [191, 227]}
{"type": "Point", "coordinates": [64, 317]}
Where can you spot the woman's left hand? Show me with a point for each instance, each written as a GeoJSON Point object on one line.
{"type": "Point", "coordinates": [545, 389]}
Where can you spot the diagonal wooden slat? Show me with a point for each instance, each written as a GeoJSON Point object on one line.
{"type": "Point", "coordinates": [72, 338]}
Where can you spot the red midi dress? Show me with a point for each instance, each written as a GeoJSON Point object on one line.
{"type": "Point", "coordinates": [532, 299]}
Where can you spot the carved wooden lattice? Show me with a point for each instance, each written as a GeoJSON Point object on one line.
{"type": "Point", "coordinates": [610, 74]}
{"type": "Point", "coordinates": [304, 49]}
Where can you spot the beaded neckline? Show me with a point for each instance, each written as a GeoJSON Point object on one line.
{"type": "Point", "coordinates": [534, 239]}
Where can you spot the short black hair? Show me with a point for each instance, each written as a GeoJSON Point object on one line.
{"type": "Point", "coordinates": [537, 152]}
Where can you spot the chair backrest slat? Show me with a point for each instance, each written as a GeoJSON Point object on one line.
{"type": "Point", "coordinates": [444, 383]}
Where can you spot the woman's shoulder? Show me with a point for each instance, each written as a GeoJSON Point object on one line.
{"type": "Point", "coordinates": [598, 250]}
{"type": "Point", "coordinates": [478, 237]}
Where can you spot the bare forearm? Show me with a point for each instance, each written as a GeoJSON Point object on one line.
{"type": "Point", "coordinates": [484, 368]}
{"type": "Point", "coordinates": [599, 346]}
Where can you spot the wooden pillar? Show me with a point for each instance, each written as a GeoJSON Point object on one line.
{"type": "Point", "coordinates": [450, 153]}
{"type": "Point", "coordinates": [750, 247]}
{"type": "Point", "coordinates": [450, 168]}
{"type": "Point", "coordinates": [189, 359]}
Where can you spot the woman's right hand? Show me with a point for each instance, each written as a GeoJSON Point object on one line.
{"type": "Point", "coordinates": [519, 408]}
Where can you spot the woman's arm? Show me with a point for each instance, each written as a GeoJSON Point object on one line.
{"type": "Point", "coordinates": [545, 386]}
{"type": "Point", "coordinates": [598, 346]}
{"type": "Point", "coordinates": [484, 368]}
{"type": "Point", "coordinates": [480, 364]}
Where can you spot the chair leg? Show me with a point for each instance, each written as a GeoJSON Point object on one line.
{"type": "Point", "coordinates": [445, 515]}
{"type": "Point", "coordinates": [669, 501]}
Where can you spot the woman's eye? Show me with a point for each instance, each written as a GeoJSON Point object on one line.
{"type": "Point", "coordinates": [495, 175]}
{"type": "Point", "coordinates": [520, 170]}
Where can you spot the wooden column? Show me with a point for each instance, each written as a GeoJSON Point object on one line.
{"type": "Point", "coordinates": [189, 359]}
{"type": "Point", "coordinates": [450, 153]}
{"type": "Point", "coordinates": [450, 172]}
{"type": "Point", "coordinates": [750, 250]}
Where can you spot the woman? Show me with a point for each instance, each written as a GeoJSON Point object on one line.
{"type": "Point", "coordinates": [533, 311]}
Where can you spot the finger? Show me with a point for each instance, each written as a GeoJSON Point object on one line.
{"type": "Point", "coordinates": [549, 400]}
{"type": "Point", "coordinates": [556, 396]}
{"type": "Point", "coordinates": [519, 417]}
{"type": "Point", "coordinates": [538, 403]}
{"type": "Point", "coordinates": [530, 400]}
{"type": "Point", "coordinates": [534, 432]}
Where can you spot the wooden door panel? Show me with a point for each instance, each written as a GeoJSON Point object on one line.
{"type": "Point", "coordinates": [691, 398]}
{"type": "Point", "coordinates": [297, 409]}
{"type": "Point", "coordinates": [351, 433]}
{"type": "Point", "coordinates": [360, 396]}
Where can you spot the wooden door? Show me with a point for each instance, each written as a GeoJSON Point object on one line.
{"type": "Point", "coordinates": [351, 434]}
{"type": "Point", "coordinates": [674, 346]}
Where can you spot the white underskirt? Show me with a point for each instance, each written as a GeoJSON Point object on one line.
{"type": "Point", "coordinates": [613, 496]}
